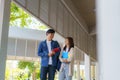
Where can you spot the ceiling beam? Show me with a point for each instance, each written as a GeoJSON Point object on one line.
{"type": "Point", "coordinates": [93, 31]}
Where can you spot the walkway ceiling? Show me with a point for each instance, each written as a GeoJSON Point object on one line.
{"type": "Point", "coordinates": [86, 9]}
{"type": "Point", "coordinates": [23, 44]}
{"type": "Point", "coordinates": [65, 17]}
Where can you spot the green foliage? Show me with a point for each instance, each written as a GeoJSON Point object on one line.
{"type": "Point", "coordinates": [29, 65]}
{"type": "Point", "coordinates": [20, 18]}
{"type": "Point", "coordinates": [21, 76]}
{"type": "Point", "coordinates": [33, 67]}
{"type": "Point", "coordinates": [7, 74]}
{"type": "Point", "coordinates": [42, 27]}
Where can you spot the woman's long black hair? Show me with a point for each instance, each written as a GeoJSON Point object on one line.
{"type": "Point", "coordinates": [71, 43]}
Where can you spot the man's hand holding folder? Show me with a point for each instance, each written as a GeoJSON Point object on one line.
{"type": "Point", "coordinates": [55, 50]}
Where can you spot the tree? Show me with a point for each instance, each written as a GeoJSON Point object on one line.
{"type": "Point", "coordinates": [7, 74]}
{"type": "Point", "coordinates": [32, 68]}
{"type": "Point", "coordinates": [20, 18]}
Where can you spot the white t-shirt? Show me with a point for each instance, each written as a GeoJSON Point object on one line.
{"type": "Point", "coordinates": [67, 49]}
{"type": "Point", "coordinates": [49, 49]}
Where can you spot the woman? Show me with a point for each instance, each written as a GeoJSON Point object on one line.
{"type": "Point", "coordinates": [66, 57]}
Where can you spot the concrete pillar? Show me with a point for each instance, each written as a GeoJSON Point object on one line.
{"type": "Point", "coordinates": [108, 27]}
{"type": "Point", "coordinates": [93, 73]}
{"type": "Point", "coordinates": [78, 71]}
{"type": "Point", "coordinates": [4, 27]}
{"type": "Point", "coordinates": [87, 67]}
{"type": "Point", "coordinates": [96, 71]}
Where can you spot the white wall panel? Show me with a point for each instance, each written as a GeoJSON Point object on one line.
{"type": "Point", "coordinates": [83, 41]}
{"type": "Point", "coordinates": [60, 18]}
{"type": "Point", "coordinates": [78, 53]}
{"type": "Point", "coordinates": [53, 13]}
{"type": "Point", "coordinates": [75, 33]}
{"type": "Point", "coordinates": [92, 47]}
{"type": "Point", "coordinates": [22, 2]}
{"type": "Point", "coordinates": [44, 10]}
{"type": "Point", "coordinates": [20, 48]}
{"type": "Point", "coordinates": [65, 23]}
{"type": "Point", "coordinates": [71, 30]}
{"type": "Point", "coordinates": [75, 56]}
{"type": "Point", "coordinates": [75, 13]}
{"type": "Point", "coordinates": [80, 37]}
{"type": "Point", "coordinates": [35, 9]}
{"type": "Point", "coordinates": [30, 52]}
{"type": "Point", "coordinates": [69, 24]}
{"type": "Point", "coordinates": [57, 15]}
{"type": "Point", "coordinates": [86, 43]}
{"type": "Point", "coordinates": [36, 48]}
{"type": "Point", "coordinates": [11, 46]}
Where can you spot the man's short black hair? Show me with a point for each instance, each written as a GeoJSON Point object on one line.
{"type": "Point", "coordinates": [50, 31]}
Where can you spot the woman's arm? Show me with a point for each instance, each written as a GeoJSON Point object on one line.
{"type": "Point", "coordinates": [60, 57]}
{"type": "Point", "coordinates": [71, 55]}
{"type": "Point", "coordinates": [70, 58]}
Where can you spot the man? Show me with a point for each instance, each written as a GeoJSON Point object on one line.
{"type": "Point", "coordinates": [49, 51]}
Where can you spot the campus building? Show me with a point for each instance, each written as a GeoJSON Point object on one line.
{"type": "Point", "coordinates": [94, 25]}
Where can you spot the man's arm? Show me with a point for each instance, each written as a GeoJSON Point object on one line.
{"type": "Point", "coordinates": [40, 51]}
{"type": "Point", "coordinates": [58, 46]}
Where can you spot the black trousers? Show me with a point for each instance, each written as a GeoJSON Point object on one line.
{"type": "Point", "coordinates": [50, 71]}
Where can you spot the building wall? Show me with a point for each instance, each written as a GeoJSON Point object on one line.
{"type": "Point", "coordinates": [23, 43]}
{"type": "Point", "coordinates": [61, 16]}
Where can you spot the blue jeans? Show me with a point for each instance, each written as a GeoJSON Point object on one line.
{"type": "Point", "coordinates": [63, 75]}
{"type": "Point", "coordinates": [50, 70]}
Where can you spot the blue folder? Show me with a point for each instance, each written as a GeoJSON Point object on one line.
{"type": "Point", "coordinates": [64, 55]}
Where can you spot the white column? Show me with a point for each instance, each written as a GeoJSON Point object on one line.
{"type": "Point", "coordinates": [108, 27]}
{"type": "Point", "coordinates": [96, 71]}
{"type": "Point", "coordinates": [87, 67]}
{"type": "Point", "coordinates": [78, 70]}
{"type": "Point", "coordinates": [93, 73]}
{"type": "Point", "coordinates": [4, 26]}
